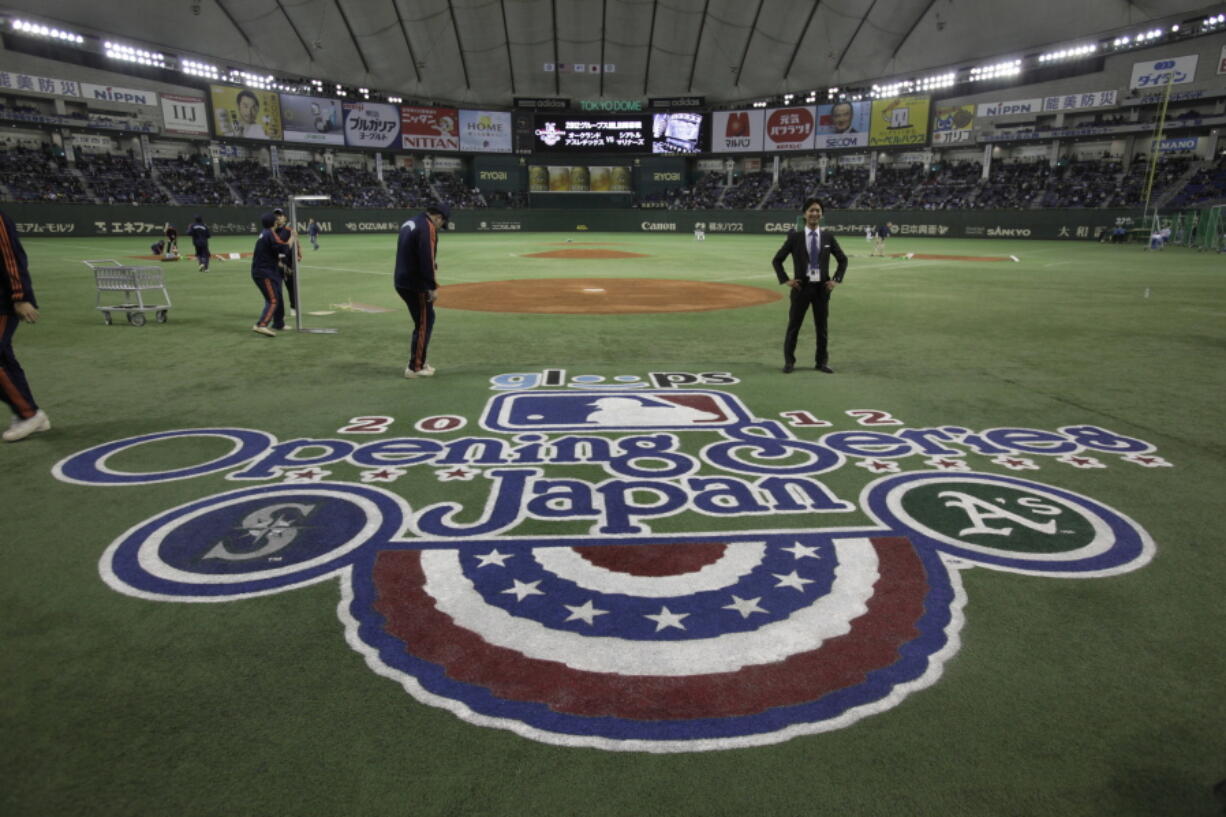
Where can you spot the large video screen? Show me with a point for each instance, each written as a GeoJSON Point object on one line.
{"type": "Point", "coordinates": [677, 133]}
{"type": "Point", "coordinates": [586, 133]}
{"type": "Point", "coordinates": [311, 119]}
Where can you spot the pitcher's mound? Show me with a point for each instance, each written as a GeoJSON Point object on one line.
{"type": "Point", "coordinates": [601, 296]}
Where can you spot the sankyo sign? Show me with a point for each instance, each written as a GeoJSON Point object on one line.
{"type": "Point", "coordinates": [619, 638]}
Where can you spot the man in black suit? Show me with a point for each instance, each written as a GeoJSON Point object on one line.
{"type": "Point", "coordinates": [811, 281]}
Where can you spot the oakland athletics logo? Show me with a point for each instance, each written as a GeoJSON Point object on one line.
{"type": "Point", "coordinates": [622, 638]}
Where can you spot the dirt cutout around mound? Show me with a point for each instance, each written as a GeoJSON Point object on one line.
{"type": "Point", "coordinates": [600, 296]}
{"type": "Point", "coordinates": [589, 254]}
{"type": "Point", "coordinates": [920, 256]}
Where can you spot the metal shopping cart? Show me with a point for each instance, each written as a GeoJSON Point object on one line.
{"type": "Point", "coordinates": [133, 282]}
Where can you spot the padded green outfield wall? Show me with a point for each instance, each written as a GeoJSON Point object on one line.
{"type": "Point", "coordinates": [98, 220]}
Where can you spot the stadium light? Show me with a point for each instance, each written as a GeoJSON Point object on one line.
{"type": "Point", "coordinates": [127, 53]}
{"type": "Point", "coordinates": [1010, 68]}
{"type": "Point", "coordinates": [196, 68]}
{"type": "Point", "coordinates": [40, 30]}
{"type": "Point", "coordinates": [1076, 52]}
{"type": "Point", "coordinates": [251, 80]}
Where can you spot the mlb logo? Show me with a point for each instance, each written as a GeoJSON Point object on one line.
{"type": "Point", "coordinates": [613, 411]}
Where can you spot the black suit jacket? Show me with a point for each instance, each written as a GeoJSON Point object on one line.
{"type": "Point", "coordinates": [794, 245]}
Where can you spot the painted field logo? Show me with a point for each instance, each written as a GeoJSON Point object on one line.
{"type": "Point", "coordinates": [622, 638]}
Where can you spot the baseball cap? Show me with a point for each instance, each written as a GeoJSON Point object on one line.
{"type": "Point", "coordinates": [268, 219]}
{"type": "Point", "coordinates": [440, 208]}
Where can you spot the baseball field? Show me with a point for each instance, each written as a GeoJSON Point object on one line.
{"type": "Point", "coordinates": [609, 560]}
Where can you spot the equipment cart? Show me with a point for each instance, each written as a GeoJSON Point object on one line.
{"type": "Point", "coordinates": [133, 282]}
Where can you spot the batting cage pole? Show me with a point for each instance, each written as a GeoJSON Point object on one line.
{"type": "Point", "coordinates": [293, 223]}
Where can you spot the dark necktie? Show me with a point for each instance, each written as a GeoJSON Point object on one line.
{"type": "Point", "coordinates": [812, 250]}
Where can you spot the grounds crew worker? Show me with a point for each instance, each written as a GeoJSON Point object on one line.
{"type": "Point", "coordinates": [416, 284]}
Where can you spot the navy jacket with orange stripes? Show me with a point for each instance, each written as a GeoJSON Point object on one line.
{"type": "Point", "coordinates": [268, 251]}
{"type": "Point", "coordinates": [415, 253]}
{"type": "Point", "coordinates": [15, 284]}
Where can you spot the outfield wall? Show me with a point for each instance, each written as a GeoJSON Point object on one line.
{"type": "Point", "coordinates": [99, 220]}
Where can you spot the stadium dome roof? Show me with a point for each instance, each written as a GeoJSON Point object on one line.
{"type": "Point", "coordinates": [486, 52]}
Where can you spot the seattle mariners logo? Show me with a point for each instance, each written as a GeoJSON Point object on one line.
{"type": "Point", "coordinates": [553, 609]}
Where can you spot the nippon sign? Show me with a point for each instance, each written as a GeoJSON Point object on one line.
{"type": "Point", "coordinates": [1159, 73]}
{"type": "Point", "coordinates": [625, 562]}
{"type": "Point", "coordinates": [1015, 107]}
{"type": "Point", "coordinates": [109, 93]}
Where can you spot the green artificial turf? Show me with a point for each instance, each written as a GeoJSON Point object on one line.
{"type": "Point", "coordinates": [1068, 697]}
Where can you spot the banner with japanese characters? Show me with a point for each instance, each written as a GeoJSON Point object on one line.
{"type": "Point", "coordinates": [21, 82]}
{"type": "Point", "coordinates": [1080, 101]}
{"type": "Point", "coordinates": [371, 124]}
{"type": "Point", "coordinates": [790, 128]}
{"type": "Point", "coordinates": [953, 125]}
{"type": "Point", "coordinates": [1156, 74]}
{"type": "Point", "coordinates": [433, 129]}
{"type": "Point", "coordinates": [246, 113]}
{"type": "Point", "coordinates": [899, 121]}
{"type": "Point", "coordinates": [737, 131]}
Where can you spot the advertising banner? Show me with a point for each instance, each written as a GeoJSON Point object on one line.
{"type": "Point", "coordinates": [108, 93]}
{"type": "Point", "coordinates": [737, 131]}
{"type": "Point", "coordinates": [184, 114]}
{"type": "Point", "coordinates": [1086, 99]}
{"type": "Point", "coordinates": [245, 113]}
{"type": "Point", "coordinates": [314, 120]}
{"type": "Point", "coordinates": [485, 131]}
{"type": "Point", "coordinates": [899, 121]}
{"type": "Point", "coordinates": [578, 179]}
{"type": "Point", "coordinates": [953, 125]}
{"type": "Point", "coordinates": [432, 129]}
{"type": "Point", "coordinates": [1015, 107]}
{"type": "Point", "coordinates": [843, 125]}
{"type": "Point", "coordinates": [371, 124]}
{"type": "Point", "coordinates": [21, 82]}
{"type": "Point", "coordinates": [1155, 74]}
{"type": "Point", "coordinates": [790, 128]}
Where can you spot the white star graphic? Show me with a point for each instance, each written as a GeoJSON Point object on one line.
{"type": "Point", "coordinates": [801, 552]}
{"type": "Point", "coordinates": [382, 474]}
{"type": "Point", "coordinates": [667, 618]}
{"type": "Point", "coordinates": [1080, 462]}
{"type": "Point", "coordinates": [493, 558]}
{"type": "Point", "coordinates": [521, 590]}
{"type": "Point", "coordinates": [1148, 460]}
{"type": "Point", "coordinates": [792, 579]}
{"type": "Point", "coordinates": [1016, 463]}
{"type": "Point", "coordinates": [587, 613]}
{"type": "Point", "coordinates": [744, 606]}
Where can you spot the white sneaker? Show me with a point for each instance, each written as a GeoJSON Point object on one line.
{"type": "Point", "coordinates": [24, 428]}
{"type": "Point", "coordinates": [426, 371]}
{"type": "Point", "coordinates": [410, 374]}
{"type": "Point", "coordinates": [264, 330]}
{"type": "Point", "coordinates": [293, 313]}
